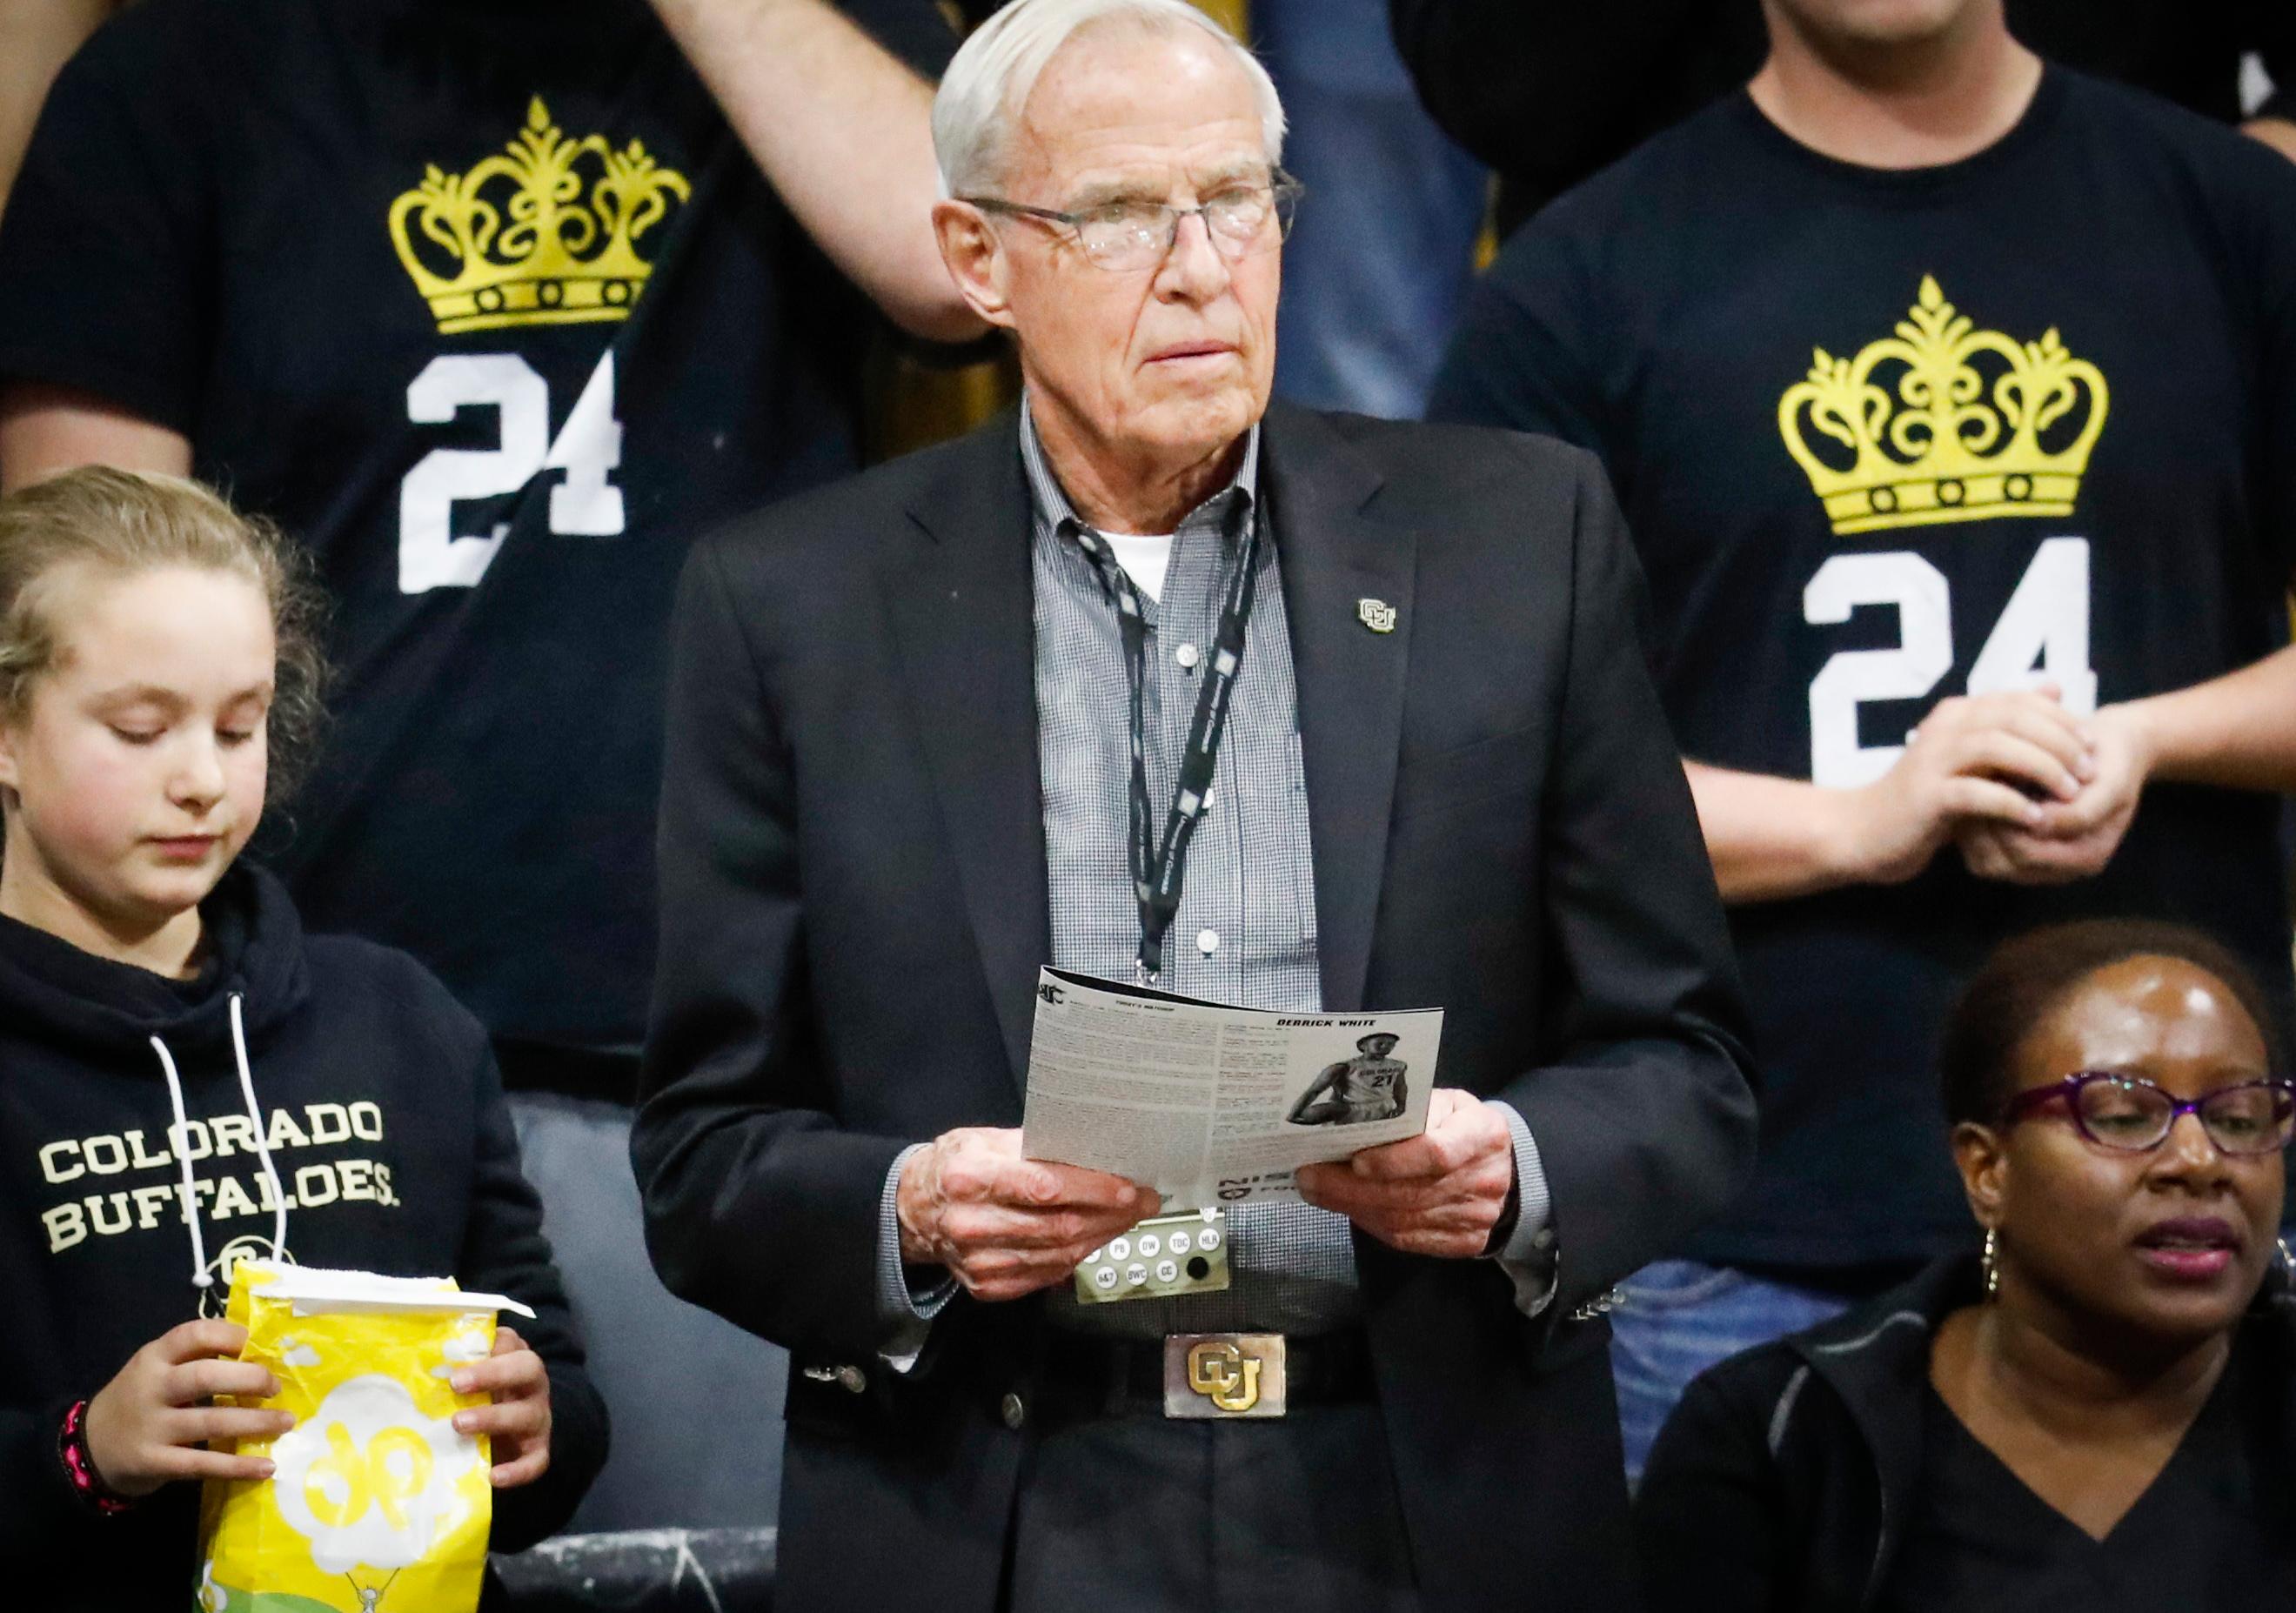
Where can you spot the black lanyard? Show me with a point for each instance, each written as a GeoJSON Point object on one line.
{"type": "Point", "coordinates": [1157, 873]}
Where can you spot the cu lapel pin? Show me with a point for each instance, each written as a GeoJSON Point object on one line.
{"type": "Point", "coordinates": [1377, 614]}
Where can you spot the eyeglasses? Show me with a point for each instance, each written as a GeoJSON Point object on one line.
{"type": "Point", "coordinates": [1123, 236]}
{"type": "Point", "coordinates": [2131, 1115]}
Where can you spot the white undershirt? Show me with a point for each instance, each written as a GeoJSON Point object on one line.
{"type": "Point", "coordinates": [1144, 560]}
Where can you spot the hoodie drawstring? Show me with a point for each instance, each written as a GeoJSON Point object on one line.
{"type": "Point", "coordinates": [201, 1277]}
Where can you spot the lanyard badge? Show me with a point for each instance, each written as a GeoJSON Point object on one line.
{"type": "Point", "coordinates": [1157, 870]}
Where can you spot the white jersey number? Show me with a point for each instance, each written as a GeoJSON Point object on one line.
{"type": "Point", "coordinates": [2043, 633]}
{"type": "Point", "coordinates": [588, 449]}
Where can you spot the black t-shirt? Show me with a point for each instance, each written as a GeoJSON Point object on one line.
{"type": "Point", "coordinates": [482, 299]}
{"type": "Point", "coordinates": [1728, 307]}
{"type": "Point", "coordinates": [1549, 91]}
{"type": "Point", "coordinates": [1980, 1540]}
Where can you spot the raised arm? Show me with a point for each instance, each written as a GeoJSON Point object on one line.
{"type": "Point", "coordinates": [842, 130]}
{"type": "Point", "coordinates": [36, 38]}
{"type": "Point", "coordinates": [45, 429]}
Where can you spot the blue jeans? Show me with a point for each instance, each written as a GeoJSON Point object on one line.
{"type": "Point", "coordinates": [1680, 1318]}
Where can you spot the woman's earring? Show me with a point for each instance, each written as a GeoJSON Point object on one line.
{"type": "Point", "coordinates": [1992, 1262]}
{"type": "Point", "coordinates": [2287, 1264]}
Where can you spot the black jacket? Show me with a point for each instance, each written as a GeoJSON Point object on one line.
{"type": "Point", "coordinates": [855, 908]}
{"type": "Point", "coordinates": [388, 1130]}
{"type": "Point", "coordinates": [1783, 1481]}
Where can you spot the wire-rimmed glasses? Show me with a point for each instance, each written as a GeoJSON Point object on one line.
{"type": "Point", "coordinates": [1123, 236]}
{"type": "Point", "coordinates": [2132, 1115]}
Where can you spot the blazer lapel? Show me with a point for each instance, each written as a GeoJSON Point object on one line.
{"type": "Point", "coordinates": [963, 616]}
{"type": "Point", "coordinates": [1338, 569]}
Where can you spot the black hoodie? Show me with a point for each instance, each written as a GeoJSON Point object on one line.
{"type": "Point", "coordinates": [386, 1125]}
{"type": "Point", "coordinates": [1786, 1480]}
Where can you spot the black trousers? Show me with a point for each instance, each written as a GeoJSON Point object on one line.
{"type": "Point", "coordinates": [1133, 1513]}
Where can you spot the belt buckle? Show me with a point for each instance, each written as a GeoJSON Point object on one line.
{"type": "Point", "coordinates": [1223, 1376]}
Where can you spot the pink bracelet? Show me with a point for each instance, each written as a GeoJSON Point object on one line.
{"type": "Point", "coordinates": [71, 1445]}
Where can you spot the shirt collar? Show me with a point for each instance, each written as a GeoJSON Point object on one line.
{"type": "Point", "coordinates": [1052, 504]}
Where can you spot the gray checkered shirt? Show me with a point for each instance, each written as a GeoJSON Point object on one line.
{"type": "Point", "coordinates": [1245, 932]}
{"type": "Point", "coordinates": [1246, 929]}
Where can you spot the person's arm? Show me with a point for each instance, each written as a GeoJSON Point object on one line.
{"type": "Point", "coordinates": [1711, 1527]}
{"type": "Point", "coordinates": [842, 131]}
{"type": "Point", "coordinates": [105, 257]}
{"type": "Point", "coordinates": [542, 1477]}
{"type": "Point", "coordinates": [734, 1134]}
{"type": "Point", "coordinates": [2237, 731]}
{"type": "Point", "coordinates": [45, 1518]}
{"type": "Point", "coordinates": [45, 429]}
{"type": "Point", "coordinates": [1772, 838]}
{"type": "Point", "coordinates": [2276, 130]}
{"type": "Point", "coordinates": [36, 38]}
{"type": "Point", "coordinates": [761, 1204]}
{"type": "Point", "coordinates": [149, 1427]}
{"type": "Point", "coordinates": [1316, 1089]}
{"type": "Point", "coordinates": [1643, 1099]}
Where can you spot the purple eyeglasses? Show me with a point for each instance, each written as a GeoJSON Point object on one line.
{"type": "Point", "coordinates": [2133, 1116]}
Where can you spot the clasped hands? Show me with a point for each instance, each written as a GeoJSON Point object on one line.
{"type": "Point", "coordinates": [2030, 792]}
{"type": "Point", "coordinates": [1005, 1226]}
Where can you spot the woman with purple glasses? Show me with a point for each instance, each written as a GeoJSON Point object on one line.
{"type": "Point", "coordinates": [2097, 1414]}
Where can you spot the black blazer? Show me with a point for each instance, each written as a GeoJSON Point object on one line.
{"type": "Point", "coordinates": [854, 909]}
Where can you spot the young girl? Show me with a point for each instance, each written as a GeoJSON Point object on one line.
{"type": "Point", "coordinates": [186, 1078]}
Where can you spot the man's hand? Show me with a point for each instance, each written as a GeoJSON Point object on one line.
{"type": "Point", "coordinates": [1002, 1223]}
{"type": "Point", "coordinates": [1964, 764]}
{"type": "Point", "coordinates": [147, 1425]}
{"type": "Point", "coordinates": [517, 1422]}
{"type": "Point", "coordinates": [2075, 839]}
{"type": "Point", "coordinates": [1439, 1193]}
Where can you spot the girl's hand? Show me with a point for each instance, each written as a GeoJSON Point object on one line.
{"type": "Point", "coordinates": [519, 1420]}
{"type": "Point", "coordinates": [147, 1425]}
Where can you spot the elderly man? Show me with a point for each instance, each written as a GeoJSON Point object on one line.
{"type": "Point", "coordinates": [943, 724]}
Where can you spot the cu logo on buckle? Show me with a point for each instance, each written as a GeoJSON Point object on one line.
{"type": "Point", "coordinates": [1224, 1375]}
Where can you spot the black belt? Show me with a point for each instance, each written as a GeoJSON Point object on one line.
{"type": "Point", "coordinates": [1086, 1375]}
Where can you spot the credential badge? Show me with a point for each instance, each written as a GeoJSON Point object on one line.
{"type": "Point", "coordinates": [1377, 614]}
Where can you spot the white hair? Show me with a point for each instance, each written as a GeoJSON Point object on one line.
{"type": "Point", "coordinates": [988, 81]}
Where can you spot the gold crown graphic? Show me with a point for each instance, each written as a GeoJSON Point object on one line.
{"type": "Point", "coordinates": [558, 260]}
{"type": "Point", "coordinates": [1989, 427]}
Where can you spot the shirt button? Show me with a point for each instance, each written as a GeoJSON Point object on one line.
{"type": "Point", "coordinates": [1208, 941]}
{"type": "Point", "coordinates": [852, 1380]}
{"type": "Point", "coordinates": [1014, 1411]}
{"type": "Point", "coordinates": [1543, 1238]}
{"type": "Point", "coordinates": [1187, 655]}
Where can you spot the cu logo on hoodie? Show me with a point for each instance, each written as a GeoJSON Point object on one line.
{"type": "Point", "coordinates": [212, 1297]}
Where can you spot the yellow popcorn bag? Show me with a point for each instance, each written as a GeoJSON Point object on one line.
{"type": "Point", "coordinates": [377, 1505]}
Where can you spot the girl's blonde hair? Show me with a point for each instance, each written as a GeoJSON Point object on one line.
{"type": "Point", "coordinates": [123, 522]}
